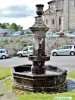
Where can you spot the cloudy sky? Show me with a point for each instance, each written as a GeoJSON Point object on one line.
{"type": "Point", "coordinates": [21, 12]}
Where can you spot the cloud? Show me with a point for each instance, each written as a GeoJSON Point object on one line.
{"type": "Point", "coordinates": [16, 11]}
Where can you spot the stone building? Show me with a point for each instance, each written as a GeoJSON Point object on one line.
{"type": "Point", "coordinates": [60, 15]}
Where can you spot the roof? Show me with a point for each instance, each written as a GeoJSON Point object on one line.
{"type": "Point", "coordinates": [51, 1]}
{"type": "Point", "coordinates": [46, 12]}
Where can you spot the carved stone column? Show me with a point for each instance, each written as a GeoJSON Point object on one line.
{"type": "Point", "coordinates": [39, 29]}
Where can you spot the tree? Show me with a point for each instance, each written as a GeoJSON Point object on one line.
{"type": "Point", "coordinates": [20, 28]}
{"type": "Point", "coordinates": [4, 25]}
{"type": "Point", "coordinates": [13, 27]}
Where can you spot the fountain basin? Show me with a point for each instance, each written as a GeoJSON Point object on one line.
{"type": "Point", "coordinates": [54, 79]}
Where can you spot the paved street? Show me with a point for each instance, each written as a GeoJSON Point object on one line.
{"type": "Point", "coordinates": [14, 61]}
{"type": "Point", "coordinates": [67, 62]}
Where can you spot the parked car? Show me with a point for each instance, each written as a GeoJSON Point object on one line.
{"type": "Point", "coordinates": [64, 50]}
{"type": "Point", "coordinates": [3, 53]}
{"type": "Point", "coordinates": [71, 34]}
{"type": "Point", "coordinates": [49, 34]}
{"type": "Point", "coordinates": [18, 33]}
{"type": "Point", "coordinates": [54, 34]}
{"type": "Point", "coordinates": [26, 51]}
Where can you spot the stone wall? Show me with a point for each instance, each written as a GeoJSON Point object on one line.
{"type": "Point", "coordinates": [14, 44]}
{"type": "Point", "coordinates": [54, 42]}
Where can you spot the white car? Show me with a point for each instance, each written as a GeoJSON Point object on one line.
{"type": "Point", "coordinates": [26, 51]}
{"type": "Point", "coordinates": [71, 34]}
{"type": "Point", "coordinates": [64, 50]}
{"type": "Point", "coordinates": [3, 53]}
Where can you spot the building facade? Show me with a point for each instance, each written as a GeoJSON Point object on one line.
{"type": "Point", "coordinates": [60, 15]}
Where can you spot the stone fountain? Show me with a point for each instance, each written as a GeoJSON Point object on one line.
{"type": "Point", "coordinates": [39, 77]}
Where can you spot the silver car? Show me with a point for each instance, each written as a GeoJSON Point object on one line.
{"type": "Point", "coordinates": [64, 50]}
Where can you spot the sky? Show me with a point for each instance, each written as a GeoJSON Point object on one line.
{"type": "Point", "coordinates": [21, 12]}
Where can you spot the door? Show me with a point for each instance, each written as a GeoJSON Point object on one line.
{"type": "Point", "coordinates": [30, 50]}
{"type": "Point", "coordinates": [25, 51]}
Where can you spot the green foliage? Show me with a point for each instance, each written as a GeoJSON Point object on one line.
{"type": "Point", "coordinates": [28, 32]}
{"type": "Point", "coordinates": [20, 28]}
{"type": "Point", "coordinates": [4, 41]}
{"type": "Point", "coordinates": [3, 25]}
{"type": "Point", "coordinates": [13, 27]}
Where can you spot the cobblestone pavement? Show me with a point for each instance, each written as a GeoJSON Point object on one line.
{"type": "Point", "coordinates": [70, 84]}
{"type": "Point", "coordinates": [6, 94]}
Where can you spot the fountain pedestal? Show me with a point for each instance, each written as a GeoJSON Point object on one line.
{"type": "Point", "coordinates": [38, 76]}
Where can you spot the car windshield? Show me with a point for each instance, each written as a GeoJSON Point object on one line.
{"type": "Point", "coordinates": [25, 49]}
{"type": "Point", "coordinates": [64, 47]}
{"type": "Point", "coordinates": [61, 47]}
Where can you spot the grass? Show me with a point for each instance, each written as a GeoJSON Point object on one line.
{"type": "Point", "coordinates": [1, 93]}
{"type": "Point", "coordinates": [8, 83]}
{"type": "Point", "coordinates": [6, 87]}
{"type": "Point", "coordinates": [4, 72]}
{"type": "Point", "coordinates": [71, 74]}
{"type": "Point", "coordinates": [45, 96]}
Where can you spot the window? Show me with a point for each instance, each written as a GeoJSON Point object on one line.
{"type": "Point", "coordinates": [52, 21]}
{"type": "Point", "coordinates": [25, 49]}
{"type": "Point", "coordinates": [46, 21]}
{"type": "Point", "coordinates": [74, 3]}
{"type": "Point", "coordinates": [67, 47]}
{"type": "Point", "coordinates": [2, 51]}
{"type": "Point", "coordinates": [61, 47]}
{"type": "Point", "coordinates": [31, 48]}
{"type": "Point", "coordinates": [59, 20]}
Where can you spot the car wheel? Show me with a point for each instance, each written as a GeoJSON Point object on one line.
{"type": "Point", "coordinates": [20, 55]}
{"type": "Point", "coordinates": [54, 54]}
{"type": "Point", "coordinates": [72, 53]}
{"type": "Point", "coordinates": [3, 57]}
